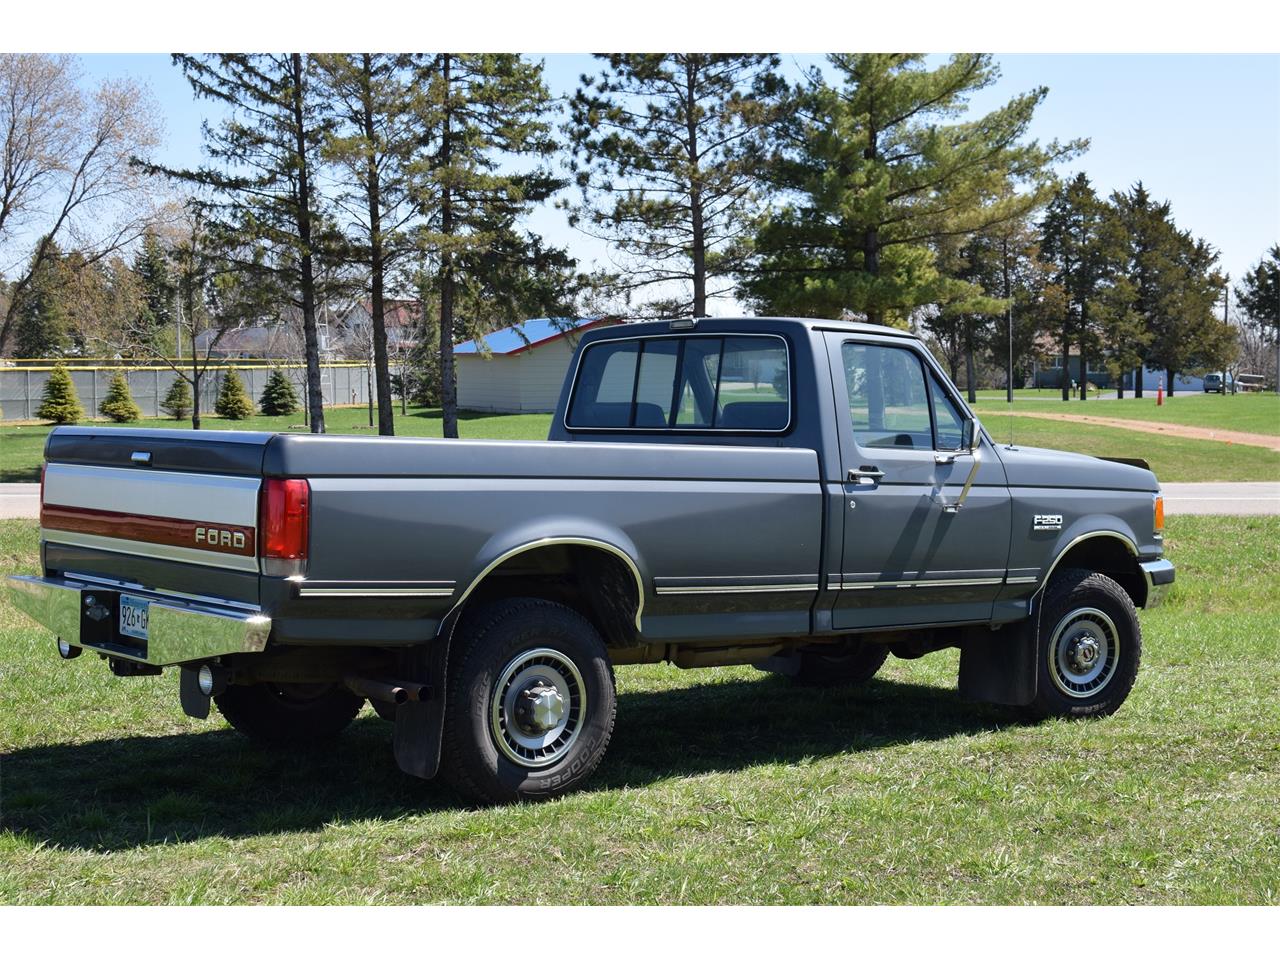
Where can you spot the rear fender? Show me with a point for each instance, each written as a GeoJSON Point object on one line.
{"type": "Point", "coordinates": [420, 725]}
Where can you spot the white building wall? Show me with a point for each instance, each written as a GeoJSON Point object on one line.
{"type": "Point", "coordinates": [526, 382]}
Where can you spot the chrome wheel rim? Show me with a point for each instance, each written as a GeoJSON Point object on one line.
{"type": "Point", "coordinates": [1084, 652]}
{"type": "Point", "coordinates": [537, 707]}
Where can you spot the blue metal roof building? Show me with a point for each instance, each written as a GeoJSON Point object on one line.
{"type": "Point", "coordinates": [528, 335]}
{"type": "Point", "coordinates": [519, 369]}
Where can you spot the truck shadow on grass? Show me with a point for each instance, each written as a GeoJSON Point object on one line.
{"type": "Point", "coordinates": [135, 791]}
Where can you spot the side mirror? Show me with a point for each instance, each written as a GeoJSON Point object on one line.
{"type": "Point", "coordinates": [969, 435]}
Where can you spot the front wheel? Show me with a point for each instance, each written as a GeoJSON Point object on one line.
{"type": "Point", "coordinates": [1089, 647]}
{"type": "Point", "coordinates": [529, 704]}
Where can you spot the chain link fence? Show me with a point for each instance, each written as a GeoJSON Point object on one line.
{"type": "Point", "coordinates": [22, 387]}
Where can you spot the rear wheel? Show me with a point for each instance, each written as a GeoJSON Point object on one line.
{"type": "Point", "coordinates": [529, 706]}
{"type": "Point", "coordinates": [1090, 644]}
{"type": "Point", "coordinates": [289, 713]}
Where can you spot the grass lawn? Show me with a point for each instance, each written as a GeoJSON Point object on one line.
{"type": "Point", "coordinates": [22, 448]}
{"type": "Point", "coordinates": [1250, 412]}
{"type": "Point", "coordinates": [1173, 459]}
{"type": "Point", "coordinates": [721, 786]}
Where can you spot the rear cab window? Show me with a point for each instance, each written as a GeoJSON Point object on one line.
{"type": "Point", "coordinates": [739, 383]}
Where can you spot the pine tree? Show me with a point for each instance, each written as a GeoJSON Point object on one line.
{"type": "Point", "coordinates": [151, 266]}
{"type": "Point", "coordinates": [375, 136]}
{"type": "Point", "coordinates": [1146, 242]}
{"type": "Point", "coordinates": [665, 156]}
{"type": "Point", "coordinates": [1191, 336]}
{"type": "Point", "coordinates": [233, 401]}
{"type": "Point", "coordinates": [266, 210]}
{"type": "Point", "coordinates": [484, 110]}
{"type": "Point", "coordinates": [118, 404]}
{"type": "Point", "coordinates": [880, 169]}
{"type": "Point", "coordinates": [60, 403]}
{"type": "Point", "coordinates": [278, 396]}
{"type": "Point", "coordinates": [177, 402]}
{"type": "Point", "coordinates": [1073, 243]}
{"type": "Point", "coordinates": [41, 325]}
{"type": "Point", "coordinates": [424, 359]}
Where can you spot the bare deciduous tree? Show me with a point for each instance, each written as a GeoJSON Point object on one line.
{"type": "Point", "coordinates": [65, 163]}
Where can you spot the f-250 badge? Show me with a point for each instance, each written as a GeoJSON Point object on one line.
{"type": "Point", "coordinates": [1047, 521]}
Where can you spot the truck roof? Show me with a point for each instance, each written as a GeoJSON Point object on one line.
{"type": "Point", "coordinates": [631, 328]}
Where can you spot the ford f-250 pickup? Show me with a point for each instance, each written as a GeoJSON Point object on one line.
{"type": "Point", "coordinates": [801, 495]}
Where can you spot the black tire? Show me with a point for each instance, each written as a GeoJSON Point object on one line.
{"type": "Point", "coordinates": [851, 664]}
{"type": "Point", "coordinates": [289, 713]}
{"type": "Point", "coordinates": [1085, 617]}
{"type": "Point", "coordinates": [481, 735]}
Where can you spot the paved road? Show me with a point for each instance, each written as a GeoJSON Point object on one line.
{"type": "Point", "coordinates": [19, 500]}
{"type": "Point", "coordinates": [1240, 499]}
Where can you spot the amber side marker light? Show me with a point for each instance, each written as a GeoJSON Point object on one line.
{"type": "Point", "coordinates": [1158, 524]}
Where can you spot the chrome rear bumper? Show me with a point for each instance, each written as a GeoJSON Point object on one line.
{"type": "Point", "coordinates": [1159, 577]}
{"type": "Point", "coordinates": [178, 631]}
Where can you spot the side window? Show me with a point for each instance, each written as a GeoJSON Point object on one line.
{"type": "Point", "coordinates": [606, 384]}
{"type": "Point", "coordinates": [654, 384]}
{"type": "Point", "coordinates": [888, 402]}
{"type": "Point", "coordinates": [691, 383]}
{"type": "Point", "coordinates": [699, 374]}
{"type": "Point", "coordinates": [755, 386]}
{"type": "Point", "coordinates": [947, 419]}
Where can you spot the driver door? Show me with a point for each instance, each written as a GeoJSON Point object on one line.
{"type": "Point", "coordinates": [910, 554]}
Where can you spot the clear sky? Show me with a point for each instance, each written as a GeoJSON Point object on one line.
{"type": "Point", "coordinates": [1200, 130]}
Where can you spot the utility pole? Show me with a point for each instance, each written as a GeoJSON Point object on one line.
{"type": "Point", "coordinates": [1226, 302]}
{"type": "Point", "coordinates": [1008, 319]}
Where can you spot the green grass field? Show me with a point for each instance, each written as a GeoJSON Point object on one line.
{"type": "Point", "coordinates": [1252, 412]}
{"type": "Point", "coordinates": [21, 448]}
{"type": "Point", "coordinates": [1174, 459]}
{"type": "Point", "coordinates": [721, 786]}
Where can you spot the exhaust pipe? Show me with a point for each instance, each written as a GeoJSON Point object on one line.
{"type": "Point", "coordinates": [387, 691]}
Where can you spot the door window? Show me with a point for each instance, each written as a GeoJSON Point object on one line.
{"type": "Point", "coordinates": [888, 401]}
{"type": "Point", "coordinates": [895, 402]}
{"type": "Point", "coordinates": [948, 423]}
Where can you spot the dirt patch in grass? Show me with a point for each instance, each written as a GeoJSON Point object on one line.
{"type": "Point", "coordinates": [1168, 429]}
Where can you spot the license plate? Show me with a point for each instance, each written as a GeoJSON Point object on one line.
{"type": "Point", "coordinates": [134, 614]}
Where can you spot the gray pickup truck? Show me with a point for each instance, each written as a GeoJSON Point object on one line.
{"type": "Point", "coordinates": [806, 496]}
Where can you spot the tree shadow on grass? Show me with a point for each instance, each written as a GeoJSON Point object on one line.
{"type": "Point", "coordinates": [134, 791]}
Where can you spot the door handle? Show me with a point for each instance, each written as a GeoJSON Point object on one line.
{"type": "Point", "coordinates": [865, 475]}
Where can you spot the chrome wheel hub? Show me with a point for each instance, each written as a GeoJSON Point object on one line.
{"type": "Point", "coordinates": [537, 707]}
{"type": "Point", "coordinates": [1084, 651]}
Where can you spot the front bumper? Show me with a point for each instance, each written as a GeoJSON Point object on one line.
{"type": "Point", "coordinates": [178, 631]}
{"type": "Point", "coordinates": [1159, 577]}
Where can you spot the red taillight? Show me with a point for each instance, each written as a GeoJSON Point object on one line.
{"type": "Point", "coordinates": [282, 528]}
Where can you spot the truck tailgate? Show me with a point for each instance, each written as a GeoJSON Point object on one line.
{"type": "Point", "coordinates": [176, 513]}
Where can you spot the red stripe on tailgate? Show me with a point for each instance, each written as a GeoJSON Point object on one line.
{"type": "Point", "coordinates": [195, 534]}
